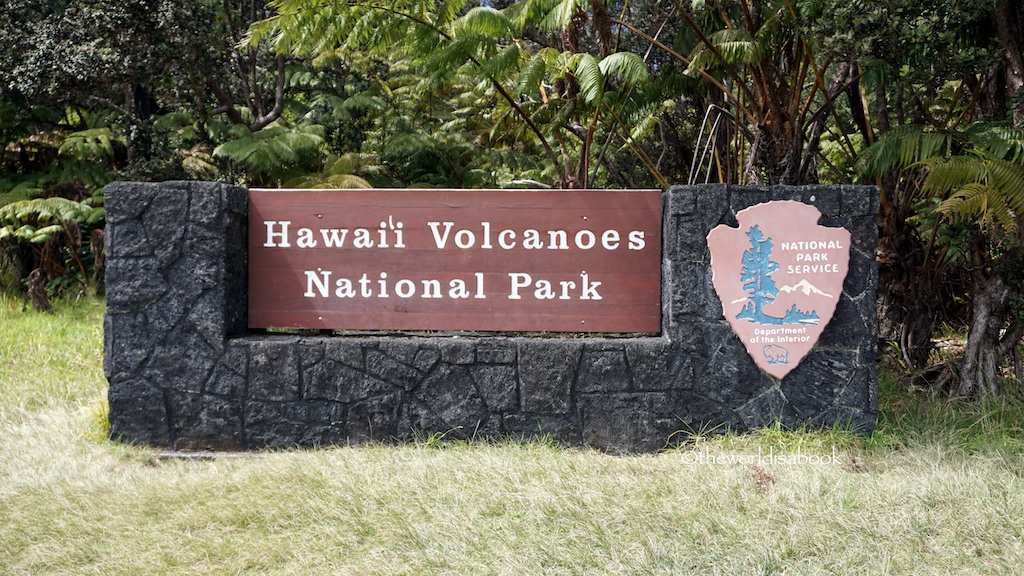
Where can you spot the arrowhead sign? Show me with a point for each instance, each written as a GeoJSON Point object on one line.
{"type": "Point", "coordinates": [779, 277]}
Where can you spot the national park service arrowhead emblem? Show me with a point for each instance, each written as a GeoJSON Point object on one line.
{"type": "Point", "coordinates": [779, 277]}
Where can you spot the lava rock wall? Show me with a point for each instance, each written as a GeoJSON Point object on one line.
{"type": "Point", "coordinates": [186, 374]}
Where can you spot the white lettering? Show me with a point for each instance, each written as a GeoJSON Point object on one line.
{"type": "Point", "coordinates": [458, 289]}
{"type": "Point", "coordinates": [566, 286]}
{"type": "Point", "coordinates": [465, 239]}
{"type": "Point", "coordinates": [585, 239]}
{"type": "Point", "coordinates": [271, 234]}
{"type": "Point", "coordinates": [543, 291]}
{"type": "Point", "coordinates": [479, 285]}
{"type": "Point", "coordinates": [405, 288]}
{"type": "Point", "coordinates": [531, 240]}
{"type": "Point", "coordinates": [318, 278]}
{"type": "Point", "coordinates": [812, 269]}
{"type": "Point", "coordinates": [334, 237]}
{"type": "Point", "coordinates": [440, 241]}
{"type": "Point", "coordinates": [519, 280]}
{"type": "Point", "coordinates": [399, 241]}
{"type": "Point", "coordinates": [558, 240]}
{"type": "Point", "coordinates": [636, 240]}
{"type": "Point", "coordinates": [589, 288]}
{"type": "Point", "coordinates": [305, 239]}
{"type": "Point", "coordinates": [610, 239]}
{"type": "Point", "coordinates": [510, 243]}
{"type": "Point", "coordinates": [345, 288]}
{"type": "Point", "coordinates": [486, 245]}
{"type": "Point", "coordinates": [362, 238]}
{"type": "Point", "coordinates": [431, 288]}
{"type": "Point", "coordinates": [812, 245]}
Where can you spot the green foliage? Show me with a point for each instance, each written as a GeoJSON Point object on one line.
{"type": "Point", "coordinates": [91, 144]}
{"type": "Point", "coordinates": [906, 146]}
{"type": "Point", "coordinates": [980, 188]}
{"type": "Point", "coordinates": [977, 172]}
{"type": "Point", "coordinates": [339, 172]}
{"type": "Point", "coordinates": [923, 42]}
{"type": "Point", "coordinates": [274, 152]}
{"type": "Point", "coordinates": [50, 196]}
{"type": "Point", "coordinates": [480, 50]}
{"type": "Point", "coordinates": [39, 219]}
{"type": "Point", "coordinates": [439, 160]}
{"type": "Point", "coordinates": [521, 92]}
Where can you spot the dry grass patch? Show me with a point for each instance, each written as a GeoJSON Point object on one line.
{"type": "Point", "coordinates": [780, 502]}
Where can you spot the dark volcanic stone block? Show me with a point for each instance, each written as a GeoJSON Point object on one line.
{"type": "Point", "coordinates": [498, 386]}
{"type": "Point", "coordinates": [603, 371]}
{"type": "Point", "coordinates": [627, 422]}
{"type": "Point", "coordinates": [547, 370]}
{"type": "Point", "coordinates": [138, 413]}
{"type": "Point", "coordinates": [274, 369]}
{"type": "Point", "coordinates": [205, 421]}
{"type": "Point", "coordinates": [449, 393]}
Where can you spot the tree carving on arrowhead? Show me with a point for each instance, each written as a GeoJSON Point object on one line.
{"type": "Point", "coordinates": [756, 276]}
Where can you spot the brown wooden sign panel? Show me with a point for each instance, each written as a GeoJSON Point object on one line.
{"type": "Point", "coordinates": [496, 260]}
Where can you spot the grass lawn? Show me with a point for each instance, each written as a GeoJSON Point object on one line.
{"type": "Point", "coordinates": [937, 489]}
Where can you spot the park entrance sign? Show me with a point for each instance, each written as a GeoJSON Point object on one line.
{"type": "Point", "coordinates": [495, 260]}
{"type": "Point", "coordinates": [486, 314]}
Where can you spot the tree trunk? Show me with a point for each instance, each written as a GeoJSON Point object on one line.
{"type": "Point", "coordinates": [1008, 17]}
{"type": "Point", "coordinates": [992, 335]}
{"type": "Point", "coordinates": [908, 292]}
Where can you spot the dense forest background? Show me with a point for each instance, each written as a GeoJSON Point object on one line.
{"type": "Point", "coordinates": [924, 98]}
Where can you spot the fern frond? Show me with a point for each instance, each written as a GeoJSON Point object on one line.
{"type": "Point", "coordinates": [588, 72]}
{"type": "Point", "coordinates": [903, 147]}
{"type": "Point", "coordinates": [456, 53]}
{"type": "Point", "coordinates": [989, 189]}
{"type": "Point", "coordinates": [735, 47]}
{"type": "Point", "coordinates": [628, 65]}
{"type": "Point", "coordinates": [447, 11]}
{"type": "Point", "coordinates": [485, 20]}
{"type": "Point", "coordinates": [344, 164]}
{"type": "Point", "coordinates": [38, 219]}
{"type": "Point", "coordinates": [174, 121]}
{"type": "Point", "coordinates": [272, 148]}
{"type": "Point", "coordinates": [1001, 139]}
{"type": "Point", "coordinates": [981, 204]}
{"type": "Point", "coordinates": [501, 64]}
{"type": "Point", "coordinates": [533, 73]}
{"type": "Point", "coordinates": [560, 15]}
{"type": "Point", "coordinates": [92, 144]}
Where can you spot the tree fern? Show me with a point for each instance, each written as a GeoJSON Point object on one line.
{"type": "Point", "coordinates": [626, 65]}
{"type": "Point", "coordinates": [533, 72]}
{"type": "Point", "coordinates": [1000, 139]}
{"type": "Point", "coordinates": [560, 15]}
{"type": "Point", "coordinates": [38, 219]}
{"type": "Point", "coordinates": [980, 187]}
{"type": "Point", "coordinates": [904, 147]}
{"type": "Point", "coordinates": [486, 20]}
{"type": "Point", "coordinates": [588, 72]}
{"type": "Point", "coordinates": [728, 46]}
{"type": "Point", "coordinates": [91, 144]}
{"type": "Point", "coordinates": [273, 150]}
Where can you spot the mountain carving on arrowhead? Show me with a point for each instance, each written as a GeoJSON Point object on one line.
{"type": "Point", "coordinates": [806, 287]}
